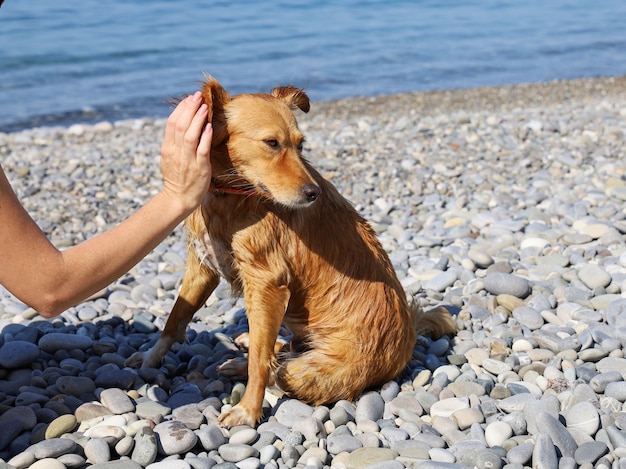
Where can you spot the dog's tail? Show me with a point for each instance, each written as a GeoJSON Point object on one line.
{"type": "Point", "coordinates": [434, 323]}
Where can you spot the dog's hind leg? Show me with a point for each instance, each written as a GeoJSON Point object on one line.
{"type": "Point", "coordinates": [198, 283]}
{"type": "Point", "coordinates": [334, 371]}
{"type": "Point", "coordinates": [317, 377]}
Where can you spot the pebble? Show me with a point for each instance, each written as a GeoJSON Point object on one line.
{"type": "Point", "coordinates": [174, 437]}
{"type": "Point", "coordinates": [117, 401]}
{"type": "Point", "coordinates": [531, 261]}
{"type": "Point", "coordinates": [18, 353]}
{"type": "Point", "coordinates": [507, 284]}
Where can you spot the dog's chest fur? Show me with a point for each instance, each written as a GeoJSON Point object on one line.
{"type": "Point", "coordinates": [214, 255]}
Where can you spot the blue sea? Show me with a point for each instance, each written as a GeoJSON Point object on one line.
{"type": "Point", "coordinates": [71, 61]}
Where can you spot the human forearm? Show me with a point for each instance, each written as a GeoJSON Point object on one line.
{"type": "Point", "coordinates": [92, 265]}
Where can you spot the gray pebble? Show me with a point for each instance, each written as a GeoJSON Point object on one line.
{"type": "Point", "coordinates": [97, 451]}
{"type": "Point", "coordinates": [370, 407]}
{"type": "Point", "coordinates": [501, 283]}
{"type": "Point", "coordinates": [237, 452]}
{"type": "Point", "coordinates": [53, 448]}
{"type": "Point", "coordinates": [117, 401]}
{"type": "Point", "coordinates": [557, 432]}
{"type": "Point", "coordinates": [18, 354]}
{"type": "Point", "coordinates": [544, 453]}
{"type": "Point", "coordinates": [55, 341]}
{"type": "Point", "coordinates": [145, 450]}
{"type": "Point", "coordinates": [291, 410]}
{"type": "Point", "coordinates": [616, 390]}
{"type": "Point", "coordinates": [342, 443]}
{"type": "Point", "coordinates": [590, 452]}
{"type": "Point", "coordinates": [174, 437]}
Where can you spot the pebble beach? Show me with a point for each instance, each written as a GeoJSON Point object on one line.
{"type": "Point", "coordinates": [506, 205]}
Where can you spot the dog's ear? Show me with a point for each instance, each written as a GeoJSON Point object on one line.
{"type": "Point", "coordinates": [294, 97]}
{"type": "Point", "coordinates": [216, 97]}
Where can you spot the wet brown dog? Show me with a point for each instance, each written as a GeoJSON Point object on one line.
{"type": "Point", "coordinates": [300, 254]}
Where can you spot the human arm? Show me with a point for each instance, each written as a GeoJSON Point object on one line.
{"type": "Point", "coordinates": [50, 280]}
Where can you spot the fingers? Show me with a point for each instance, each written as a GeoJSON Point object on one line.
{"type": "Point", "coordinates": [181, 117]}
{"type": "Point", "coordinates": [204, 147]}
{"type": "Point", "coordinates": [194, 129]}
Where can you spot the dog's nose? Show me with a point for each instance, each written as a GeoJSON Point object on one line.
{"type": "Point", "coordinates": [311, 191]}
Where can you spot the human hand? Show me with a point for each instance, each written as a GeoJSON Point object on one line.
{"type": "Point", "coordinates": [185, 152]}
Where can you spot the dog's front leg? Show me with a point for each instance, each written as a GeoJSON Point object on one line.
{"type": "Point", "coordinates": [266, 306]}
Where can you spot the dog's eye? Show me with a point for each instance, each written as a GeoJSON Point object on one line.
{"type": "Point", "coordinates": [300, 146]}
{"type": "Point", "coordinates": [272, 142]}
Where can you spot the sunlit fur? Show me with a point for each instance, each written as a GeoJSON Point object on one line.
{"type": "Point", "coordinates": [315, 265]}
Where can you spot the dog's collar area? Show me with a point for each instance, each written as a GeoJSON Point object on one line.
{"type": "Point", "coordinates": [218, 189]}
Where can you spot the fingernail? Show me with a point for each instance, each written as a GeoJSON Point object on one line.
{"type": "Point", "coordinates": [203, 108]}
{"type": "Point", "coordinates": [197, 96]}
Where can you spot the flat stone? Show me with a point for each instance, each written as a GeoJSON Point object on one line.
{"type": "Point", "coordinates": [47, 463]}
{"type": "Point", "coordinates": [590, 452]}
{"type": "Point", "coordinates": [53, 448]}
{"type": "Point", "coordinates": [405, 402]}
{"type": "Point", "coordinates": [61, 425]}
{"type": "Point", "coordinates": [594, 276]}
{"type": "Point", "coordinates": [370, 406]}
{"type": "Point", "coordinates": [91, 410]}
{"type": "Point", "coordinates": [97, 450]}
{"type": "Point", "coordinates": [528, 317]}
{"type": "Point", "coordinates": [447, 407]}
{"type": "Point", "coordinates": [18, 354]}
{"type": "Point", "coordinates": [544, 453]}
{"type": "Point", "coordinates": [291, 411]}
{"type": "Point", "coordinates": [174, 437]}
{"type": "Point", "coordinates": [583, 416]}
{"type": "Point", "coordinates": [497, 433]}
{"type": "Point", "coordinates": [236, 453]}
{"type": "Point", "coordinates": [616, 390]}
{"type": "Point", "coordinates": [26, 417]}
{"type": "Point", "coordinates": [150, 409]}
{"type": "Point", "coordinates": [189, 415]}
{"type": "Point", "coordinates": [211, 437]}
{"type": "Point", "coordinates": [500, 283]}
{"type": "Point", "coordinates": [55, 341]}
{"type": "Point", "coordinates": [145, 450]}
{"type": "Point", "coordinates": [363, 457]}
{"type": "Point", "coordinates": [557, 432]}
{"type": "Point", "coordinates": [117, 401]}
{"type": "Point", "coordinates": [75, 385]}
{"type": "Point", "coordinates": [441, 281]}
{"type": "Point", "coordinates": [342, 443]}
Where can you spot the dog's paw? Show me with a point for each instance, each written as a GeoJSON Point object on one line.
{"type": "Point", "coordinates": [243, 341]}
{"type": "Point", "coordinates": [239, 415]}
{"type": "Point", "coordinates": [135, 360]}
{"type": "Point", "coordinates": [235, 368]}
{"type": "Point", "coordinates": [143, 360]}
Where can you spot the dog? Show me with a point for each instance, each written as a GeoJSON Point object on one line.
{"type": "Point", "coordinates": [301, 255]}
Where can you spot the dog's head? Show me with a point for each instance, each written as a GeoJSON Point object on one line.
{"type": "Point", "coordinates": [256, 137]}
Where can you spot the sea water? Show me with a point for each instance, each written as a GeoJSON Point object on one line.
{"type": "Point", "coordinates": [87, 60]}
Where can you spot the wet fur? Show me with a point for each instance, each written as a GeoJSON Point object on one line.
{"type": "Point", "coordinates": [307, 260]}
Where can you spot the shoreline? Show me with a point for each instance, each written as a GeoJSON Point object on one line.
{"type": "Point", "coordinates": [488, 98]}
{"type": "Point", "coordinates": [492, 98]}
